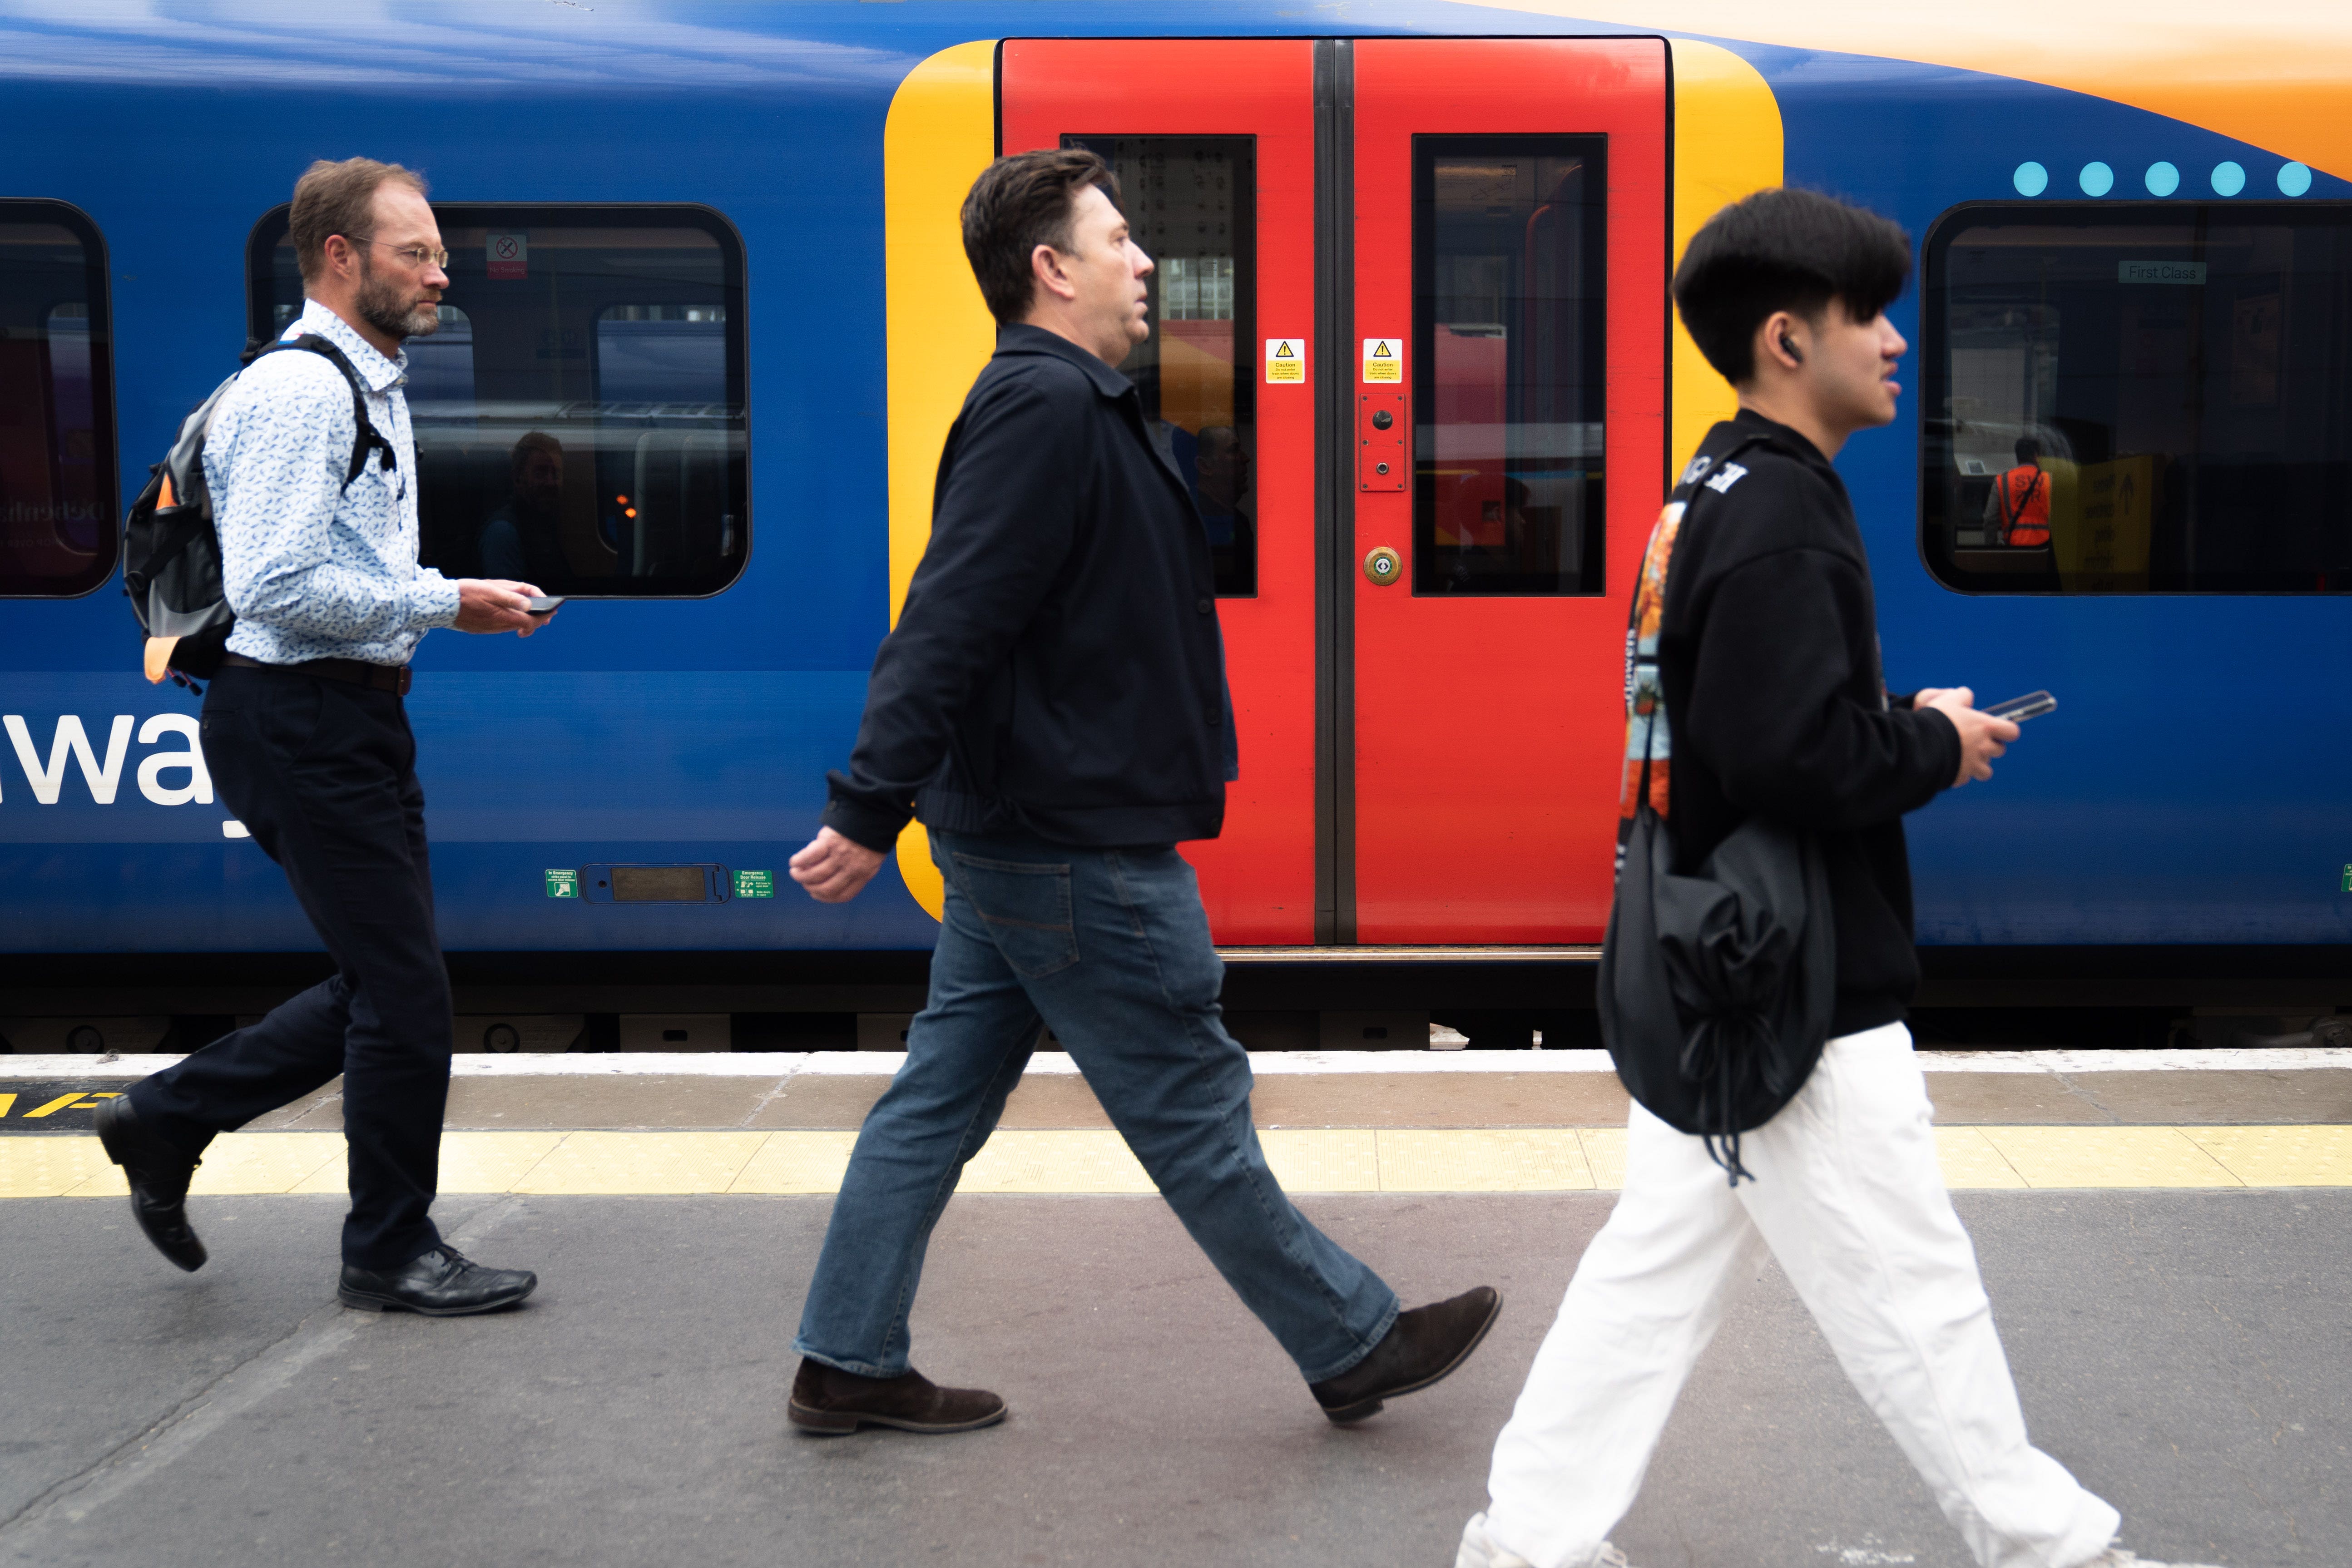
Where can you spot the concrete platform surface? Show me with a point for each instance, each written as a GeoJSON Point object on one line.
{"type": "Point", "coordinates": [2185, 1353]}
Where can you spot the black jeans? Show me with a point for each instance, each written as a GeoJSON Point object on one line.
{"type": "Point", "coordinates": [323, 772]}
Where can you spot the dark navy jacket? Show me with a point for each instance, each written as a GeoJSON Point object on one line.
{"type": "Point", "coordinates": [1057, 668]}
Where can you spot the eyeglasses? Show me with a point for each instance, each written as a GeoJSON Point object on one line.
{"type": "Point", "coordinates": [417, 256]}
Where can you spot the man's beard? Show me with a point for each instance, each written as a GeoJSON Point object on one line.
{"type": "Point", "coordinates": [387, 306]}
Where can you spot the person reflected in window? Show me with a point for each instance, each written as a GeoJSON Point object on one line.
{"type": "Point", "coordinates": [2018, 511]}
{"type": "Point", "coordinates": [1170, 440]}
{"type": "Point", "coordinates": [524, 538]}
{"type": "Point", "coordinates": [1222, 485]}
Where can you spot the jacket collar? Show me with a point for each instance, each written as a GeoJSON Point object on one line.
{"type": "Point", "coordinates": [1021, 337]}
{"type": "Point", "coordinates": [1748, 422]}
{"type": "Point", "coordinates": [376, 373]}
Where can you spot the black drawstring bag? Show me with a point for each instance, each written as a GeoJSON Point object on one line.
{"type": "Point", "coordinates": [1715, 990]}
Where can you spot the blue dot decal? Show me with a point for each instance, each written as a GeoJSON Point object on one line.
{"type": "Point", "coordinates": [2031, 179]}
{"type": "Point", "coordinates": [2229, 179]}
{"type": "Point", "coordinates": [2097, 179]}
{"type": "Point", "coordinates": [2294, 179]}
{"type": "Point", "coordinates": [2163, 179]}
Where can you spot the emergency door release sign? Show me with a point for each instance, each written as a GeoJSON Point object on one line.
{"type": "Point", "coordinates": [1384, 359]}
{"type": "Point", "coordinates": [1285, 361]}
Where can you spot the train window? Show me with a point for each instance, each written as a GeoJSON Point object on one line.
{"type": "Point", "coordinates": [2138, 399]}
{"type": "Point", "coordinates": [58, 495]}
{"type": "Point", "coordinates": [1192, 205]}
{"type": "Point", "coordinates": [1510, 369]}
{"type": "Point", "coordinates": [580, 416]}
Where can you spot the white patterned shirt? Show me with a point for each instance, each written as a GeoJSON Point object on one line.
{"type": "Point", "coordinates": [314, 569]}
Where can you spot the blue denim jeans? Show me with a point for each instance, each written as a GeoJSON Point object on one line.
{"type": "Point", "coordinates": [1110, 948]}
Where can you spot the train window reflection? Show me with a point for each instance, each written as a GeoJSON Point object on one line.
{"type": "Point", "coordinates": [2138, 400]}
{"type": "Point", "coordinates": [1192, 205]}
{"type": "Point", "coordinates": [58, 497]}
{"type": "Point", "coordinates": [1509, 380]}
{"type": "Point", "coordinates": [580, 416]}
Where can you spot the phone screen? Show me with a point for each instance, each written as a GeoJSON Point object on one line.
{"type": "Point", "coordinates": [543, 604]}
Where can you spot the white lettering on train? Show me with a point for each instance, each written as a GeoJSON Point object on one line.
{"type": "Point", "coordinates": [70, 742]}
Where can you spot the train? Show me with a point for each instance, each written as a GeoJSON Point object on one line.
{"type": "Point", "coordinates": [1411, 345]}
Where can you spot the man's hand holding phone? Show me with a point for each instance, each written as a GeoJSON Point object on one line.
{"type": "Point", "coordinates": [1984, 736]}
{"type": "Point", "coordinates": [492, 604]}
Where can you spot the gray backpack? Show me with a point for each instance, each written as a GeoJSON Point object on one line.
{"type": "Point", "coordinates": [171, 553]}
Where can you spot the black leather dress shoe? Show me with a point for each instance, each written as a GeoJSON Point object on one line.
{"type": "Point", "coordinates": [442, 1283]}
{"type": "Point", "coordinates": [1422, 1346]}
{"type": "Point", "coordinates": [830, 1401]}
{"type": "Point", "coordinates": [159, 1176]}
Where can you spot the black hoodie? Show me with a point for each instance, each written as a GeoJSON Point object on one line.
{"type": "Point", "coordinates": [1767, 657]}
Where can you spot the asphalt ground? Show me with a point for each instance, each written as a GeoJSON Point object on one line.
{"type": "Point", "coordinates": [2184, 1351]}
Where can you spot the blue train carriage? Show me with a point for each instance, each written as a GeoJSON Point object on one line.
{"type": "Point", "coordinates": [709, 320]}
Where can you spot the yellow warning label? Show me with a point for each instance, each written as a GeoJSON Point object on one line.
{"type": "Point", "coordinates": [1384, 359]}
{"type": "Point", "coordinates": [1285, 361]}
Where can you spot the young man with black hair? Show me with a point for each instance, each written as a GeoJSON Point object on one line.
{"type": "Point", "coordinates": [1051, 704]}
{"type": "Point", "coordinates": [1754, 688]}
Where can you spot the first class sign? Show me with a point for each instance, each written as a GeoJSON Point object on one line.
{"type": "Point", "coordinates": [2190, 272]}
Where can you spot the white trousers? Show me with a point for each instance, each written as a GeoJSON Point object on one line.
{"type": "Point", "coordinates": [1849, 1197]}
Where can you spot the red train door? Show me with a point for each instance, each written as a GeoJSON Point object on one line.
{"type": "Point", "coordinates": [1214, 144]}
{"type": "Point", "coordinates": [1510, 251]}
{"type": "Point", "coordinates": [1471, 335]}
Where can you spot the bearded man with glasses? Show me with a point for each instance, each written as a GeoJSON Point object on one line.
{"type": "Point", "coordinates": [309, 743]}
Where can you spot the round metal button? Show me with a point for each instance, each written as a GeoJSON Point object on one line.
{"type": "Point", "coordinates": [1383, 566]}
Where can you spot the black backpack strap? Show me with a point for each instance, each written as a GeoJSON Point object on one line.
{"type": "Point", "coordinates": [365, 437]}
{"type": "Point", "coordinates": [2011, 516]}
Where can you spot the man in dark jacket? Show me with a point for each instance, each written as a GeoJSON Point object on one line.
{"type": "Point", "coordinates": [1052, 706]}
{"type": "Point", "coordinates": [1754, 691]}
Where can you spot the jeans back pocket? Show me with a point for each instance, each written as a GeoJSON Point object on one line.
{"type": "Point", "coordinates": [1026, 908]}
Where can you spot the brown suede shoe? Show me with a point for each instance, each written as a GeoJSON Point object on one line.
{"type": "Point", "coordinates": [828, 1400]}
{"type": "Point", "coordinates": [1423, 1345]}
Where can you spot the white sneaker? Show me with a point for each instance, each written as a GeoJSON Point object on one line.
{"type": "Point", "coordinates": [2116, 1557]}
{"type": "Point", "coordinates": [1479, 1551]}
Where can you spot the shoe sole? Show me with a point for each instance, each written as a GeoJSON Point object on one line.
{"type": "Point", "coordinates": [840, 1423]}
{"type": "Point", "coordinates": [107, 1131]}
{"type": "Point", "coordinates": [1348, 1414]}
{"type": "Point", "coordinates": [366, 1302]}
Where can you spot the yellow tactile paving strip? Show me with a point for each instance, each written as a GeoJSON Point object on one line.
{"type": "Point", "coordinates": [1082, 1161]}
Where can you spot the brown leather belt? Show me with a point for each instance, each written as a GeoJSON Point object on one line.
{"type": "Point", "coordinates": [393, 678]}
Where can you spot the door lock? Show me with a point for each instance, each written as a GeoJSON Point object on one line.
{"type": "Point", "coordinates": [1380, 454]}
{"type": "Point", "coordinates": [1382, 566]}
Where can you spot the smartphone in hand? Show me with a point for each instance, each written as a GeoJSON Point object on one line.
{"type": "Point", "coordinates": [2018, 710]}
{"type": "Point", "coordinates": [544, 605]}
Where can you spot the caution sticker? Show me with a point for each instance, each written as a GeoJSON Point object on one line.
{"type": "Point", "coordinates": [1285, 361]}
{"type": "Point", "coordinates": [755, 884]}
{"type": "Point", "coordinates": [563, 884]}
{"type": "Point", "coordinates": [1384, 359]}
